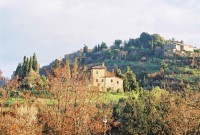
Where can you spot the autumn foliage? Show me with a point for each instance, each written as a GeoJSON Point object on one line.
{"type": "Point", "coordinates": [75, 107]}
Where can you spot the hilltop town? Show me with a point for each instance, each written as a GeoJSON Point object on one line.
{"type": "Point", "coordinates": [153, 59]}
{"type": "Point", "coordinates": [170, 49]}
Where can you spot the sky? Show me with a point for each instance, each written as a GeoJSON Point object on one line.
{"type": "Point", "coordinates": [53, 28]}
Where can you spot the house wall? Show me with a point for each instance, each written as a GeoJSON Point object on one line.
{"type": "Point", "coordinates": [97, 76]}
{"type": "Point", "coordinates": [178, 47]}
{"type": "Point", "coordinates": [188, 48]}
{"type": "Point", "coordinates": [184, 47]}
{"type": "Point", "coordinates": [104, 83]}
{"type": "Point", "coordinates": [114, 83]}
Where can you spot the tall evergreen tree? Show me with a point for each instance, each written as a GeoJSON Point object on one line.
{"type": "Point", "coordinates": [119, 73]}
{"type": "Point", "coordinates": [130, 82]}
{"type": "Point", "coordinates": [117, 43]}
{"type": "Point", "coordinates": [103, 46]}
{"type": "Point", "coordinates": [85, 49]}
{"type": "Point", "coordinates": [146, 40]}
{"type": "Point", "coordinates": [27, 66]}
{"type": "Point", "coordinates": [35, 63]}
{"type": "Point", "coordinates": [24, 67]}
{"type": "Point", "coordinates": [30, 65]}
{"type": "Point", "coordinates": [95, 49]}
{"type": "Point", "coordinates": [19, 71]}
{"type": "Point", "coordinates": [98, 47]}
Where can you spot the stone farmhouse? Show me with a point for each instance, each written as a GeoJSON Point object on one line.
{"type": "Point", "coordinates": [177, 46]}
{"type": "Point", "coordinates": [105, 80]}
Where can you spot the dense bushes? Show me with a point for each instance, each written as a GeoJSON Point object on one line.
{"type": "Point", "coordinates": [159, 112]}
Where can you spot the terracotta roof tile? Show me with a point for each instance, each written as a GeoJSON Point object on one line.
{"type": "Point", "coordinates": [110, 74]}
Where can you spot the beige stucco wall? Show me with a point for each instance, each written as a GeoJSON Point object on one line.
{"type": "Point", "coordinates": [116, 85]}
{"type": "Point", "coordinates": [178, 47]}
{"type": "Point", "coordinates": [183, 47]}
{"type": "Point", "coordinates": [97, 74]}
{"type": "Point", "coordinates": [105, 83]}
{"type": "Point", "coordinates": [188, 48]}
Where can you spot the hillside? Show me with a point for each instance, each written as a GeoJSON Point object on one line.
{"type": "Point", "coordinates": [169, 64]}
{"type": "Point", "coordinates": [67, 101]}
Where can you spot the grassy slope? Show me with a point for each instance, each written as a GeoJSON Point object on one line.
{"type": "Point", "coordinates": [107, 98]}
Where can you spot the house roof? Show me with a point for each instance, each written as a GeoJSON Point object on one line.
{"type": "Point", "coordinates": [107, 74]}
{"type": "Point", "coordinates": [99, 67]}
{"type": "Point", "coordinates": [110, 74]}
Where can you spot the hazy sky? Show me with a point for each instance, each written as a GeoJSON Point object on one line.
{"type": "Point", "coordinates": [52, 28]}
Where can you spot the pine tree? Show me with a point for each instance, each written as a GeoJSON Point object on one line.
{"type": "Point", "coordinates": [85, 49]}
{"type": "Point", "coordinates": [95, 49]}
{"type": "Point", "coordinates": [19, 71]}
{"type": "Point", "coordinates": [98, 47]}
{"type": "Point", "coordinates": [35, 63]}
{"type": "Point", "coordinates": [24, 67]}
{"type": "Point", "coordinates": [30, 65]}
{"type": "Point", "coordinates": [130, 82]}
{"type": "Point", "coordinates": [119, 73]}
{"type": "Point", "coordinates": [27, 66]}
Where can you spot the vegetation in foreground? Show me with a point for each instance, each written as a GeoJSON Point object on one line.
{"type": "Point", "coordinates": [161, 96]}
{"type": "Point", "coordinates": [71, 106]}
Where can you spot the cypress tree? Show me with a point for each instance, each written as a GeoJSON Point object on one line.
{"type": "Point", "coordinates": [98, 47]}
{"type": "Point", "coordinates": [85, 49]}
{"type": "Point", "coordinates": [19, 70]}
{"type": "Point", "coordinates": [35, 63]}
{"type": "Point", "coordinates": [27, 66]}
{"type": "Point", "coordinates": [24, 67]}
{"type": "Point", "coordinates": [30, 65]}
{"type": "Point", "coordinates": [119, 73]}
{"type": "Point", "coordinates": [130, 82]}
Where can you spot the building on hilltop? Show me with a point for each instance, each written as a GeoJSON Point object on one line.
{"type": "Point", "coordinates": [180, 46]}
{"type": "Point", "coordinates": [176, 46]}
{"type": "Point", "coordinates": [105, 80]}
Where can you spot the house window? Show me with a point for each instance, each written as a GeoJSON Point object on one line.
{"type": "Point", "coordinates": [117, 82]}
{"type": "Point", "coordinates": [97, 80]}
{"type": "Point", "coordinates": [96, 72]}
{"type": "Point", "coordinates": [111, 80]}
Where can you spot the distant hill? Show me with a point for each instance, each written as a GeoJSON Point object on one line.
{"type": "Point", "coordinates": [148, 56]}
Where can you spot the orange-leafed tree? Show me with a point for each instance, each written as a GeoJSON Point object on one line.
{"type": "Point", "coordinates": [74, 109]}
{"type": "Point", "coordinates": [13, 84]}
